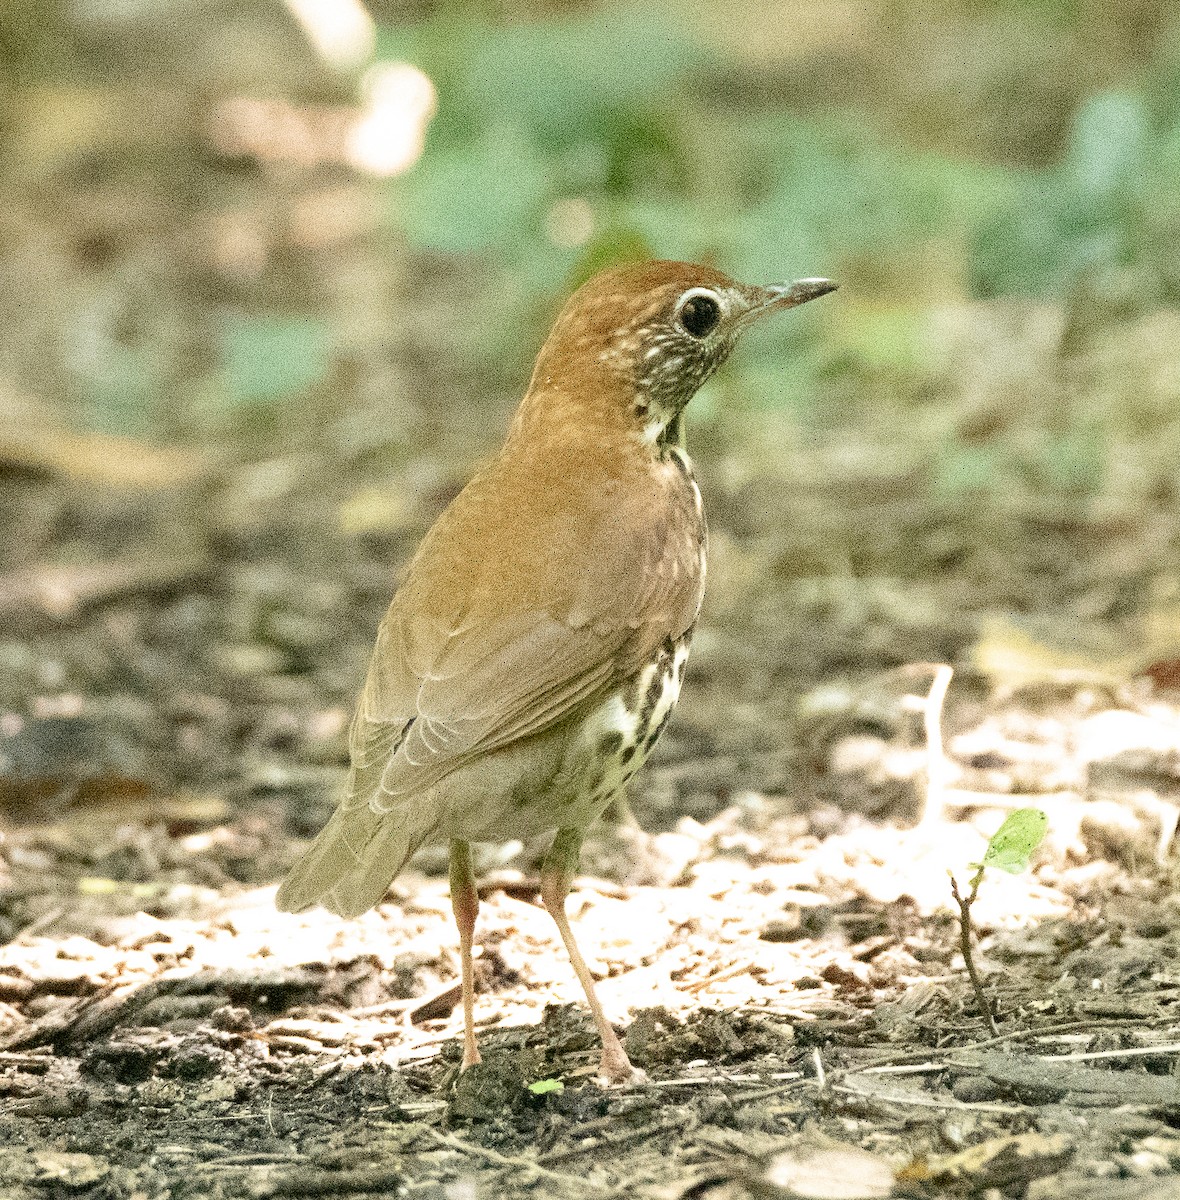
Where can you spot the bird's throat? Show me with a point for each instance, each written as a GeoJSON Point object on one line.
{"type": "Point", "coordinates": [672, 434]}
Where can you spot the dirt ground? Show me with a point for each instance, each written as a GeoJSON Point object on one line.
{"type": "Point", "coordinates": [776, 935]}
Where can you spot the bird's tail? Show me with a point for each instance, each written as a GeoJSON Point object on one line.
{"type": "Point", "coordinates": [349, 867]}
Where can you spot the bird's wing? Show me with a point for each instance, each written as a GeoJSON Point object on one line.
{"type": "Point", "coordinates": [486, 686]}
{"type": "Point", "coordinates": [448, 682]}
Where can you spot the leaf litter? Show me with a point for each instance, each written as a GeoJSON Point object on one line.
{"type": "Point", "coordinates": [785, 968]}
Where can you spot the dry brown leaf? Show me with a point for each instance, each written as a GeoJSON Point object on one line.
{"type": "Point", "coordinates": [1012, 655]}
{"type": "Point", "coordinates": [50, 594]}
{"type": "Point", "coordinates": [830, 1172]}
{"type": "Point", "coordinates": [33, 437]}
{"type": "Point", "coordinates": [1001, 1161]}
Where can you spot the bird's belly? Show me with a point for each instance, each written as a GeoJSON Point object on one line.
{"type": "Point", "coordinates": [564, 777]}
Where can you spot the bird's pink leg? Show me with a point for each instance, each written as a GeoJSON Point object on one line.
{"type": "Point", "coordinates": [557, 873]}
{"type": "Point", "coordinates": [465, 906]}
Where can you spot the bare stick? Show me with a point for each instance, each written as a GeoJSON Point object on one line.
{"type": "Point", "coordinates": [518, 1163]}
{"type": "Point", "coordinates": [964, 904]}
{"type": "Point", "coordinates": [938, 766]}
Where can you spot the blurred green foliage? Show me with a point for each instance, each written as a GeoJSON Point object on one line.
{"type": "Point", "coordinates": [267, 357]}
{"type": "Point", "coordinates": [1112, 206]}
{"type": "Point", "coordinates": [994, 183]}
{"type": "Point", "coordinates": [649, 122]}
{"type": "Point", "coordinates": [627, 109]}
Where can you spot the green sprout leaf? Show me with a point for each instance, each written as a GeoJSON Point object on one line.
{"type": "Point", "coordinates": [543, 1087]}
{"type": "Point", "coordinates": [1012, 845]}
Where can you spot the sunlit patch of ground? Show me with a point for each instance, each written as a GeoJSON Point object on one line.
{"type": "Point", "coordinates": [776, 970]}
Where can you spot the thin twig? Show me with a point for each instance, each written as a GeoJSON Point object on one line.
{"type": "Point", "coordinates": [639, 1133]}
{"type": "Point", "coordinates": [926, 1068]}
{"type": "Point", "coordinates": [31, 1058]}
{"type": "Point", "coordinates": [1015, 1035]}
{"type": "Point", "coordinates": [964, 904]}
{"type": "Point", "coordinates": [938, 766]}
{"type": "Point", "coordinates": [821, 1078]}
{"type": "Point", "coordinates": [1132, 1052]}
{"type": "Point", "coordinates": [922, 1068]}
{"type": "Point", "coordinates": [730, 972]}
{"type": "Point", "coordinates": [921, 1100]}
{"type": "Point", "coordinates": [502, 1160]}
{"type": "Point", "coordinates": [700, 1080]}
{"type": "Point", "coordinates": [763, 1094]}
{"type": "Point", "coordinates": [33, 928]}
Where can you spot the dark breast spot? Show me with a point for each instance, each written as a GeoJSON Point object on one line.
{"type": "Point", "coordinates": [611, 743]}
{"type": "Point", "coordinates": [654, 735]}
{"type": "Point", "coordinates": [680, 460]}
{"type": "Point", "coordinates": [659, 678]}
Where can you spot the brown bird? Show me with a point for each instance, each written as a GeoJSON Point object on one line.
{"type": "Point", "coordinates": [536, 647]}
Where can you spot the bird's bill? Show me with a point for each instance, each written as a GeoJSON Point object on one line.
{"type": "Point", "coordinates": [787, 295]}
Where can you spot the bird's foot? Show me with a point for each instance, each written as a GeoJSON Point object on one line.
{"type": "Point", "coordinates": [615, 1070]}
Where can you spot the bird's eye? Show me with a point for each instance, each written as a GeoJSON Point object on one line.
{"type": "Point", "coordinates": [699, 313]}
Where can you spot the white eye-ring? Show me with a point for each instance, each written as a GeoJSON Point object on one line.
{"type": "Point", "coordinates": [699, 311]}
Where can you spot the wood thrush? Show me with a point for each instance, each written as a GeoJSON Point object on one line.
{"type": "Point", "coordinates": [536, 647]}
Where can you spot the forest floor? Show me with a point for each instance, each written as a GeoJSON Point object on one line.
{"type": "Point", "coordinates": [779, 944]}
{"type": "Point", "coordinates": [186, 610]}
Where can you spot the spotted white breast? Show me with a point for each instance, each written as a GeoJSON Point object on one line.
{"type": "Point", "coordinates": [623, 731]}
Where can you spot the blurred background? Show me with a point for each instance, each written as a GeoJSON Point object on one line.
{"type": "Point", "coordinates": [272, 276]}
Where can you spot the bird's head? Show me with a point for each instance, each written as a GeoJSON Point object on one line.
{"type": "Point", "coordinates": [640, 340]}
